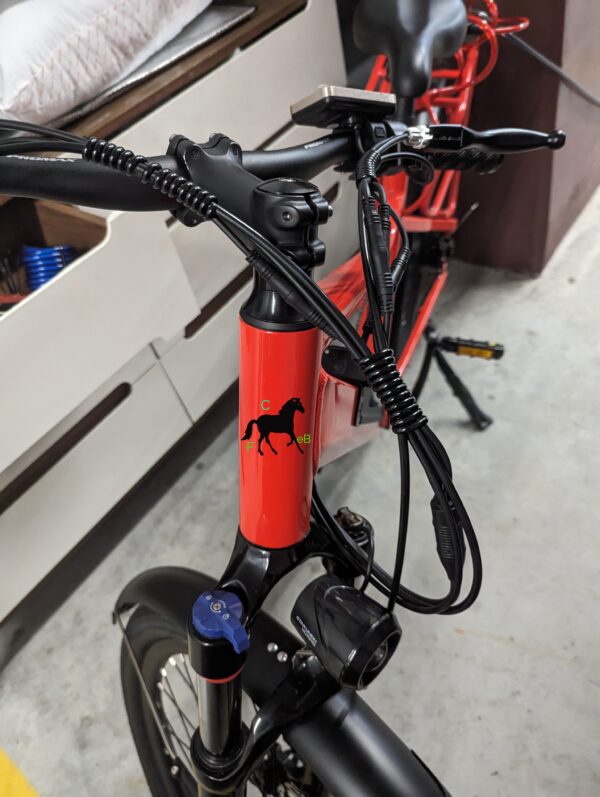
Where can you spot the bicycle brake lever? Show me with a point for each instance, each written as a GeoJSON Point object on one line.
{"type": "Point", "coordinates": [506, 140]}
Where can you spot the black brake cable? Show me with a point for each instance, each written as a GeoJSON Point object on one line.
{"type": "Point", "coordinates": [15, 145]}
{"type": "Point", "coordinates": [370, 559]}
{"type": "Point", "coordinates": [41, 130]}
{"type": "Point", "coordinates": [402, 520]}
{"type": "Point", "coordinates": [573, 84]}
{"type": "Point", "coordinates": [381, 339]}
{"type": "Point", "coordinates": [427, 168]}
{"type": "Point", "coordinates": [380, 579]}
{"type": "Point", "coordinates": [400, 263]}
{"type": "Point", "coordinates": [39, 139]}
{"type": "Point", "coordinates": [374, 317]}
{"type": "Point", "coordinates": [366, 172]}
{"type": "Point", "coordinates": [301, 282]}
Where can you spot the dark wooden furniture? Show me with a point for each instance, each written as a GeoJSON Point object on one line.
{"type": "Point", "coordinates": [527, 207]}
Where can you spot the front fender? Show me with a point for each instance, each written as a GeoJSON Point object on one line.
{"type": "Point", "coordinates": [168, 591]}
{"type": "Point", "coordinates": [349, 747]}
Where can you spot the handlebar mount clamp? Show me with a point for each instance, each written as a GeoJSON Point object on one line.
{"type": "Point", "coordinates": [287, 211]}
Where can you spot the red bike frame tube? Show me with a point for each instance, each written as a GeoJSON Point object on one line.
{"type": "Point", "coordinates": [275, 367]}
{"type": "Point", "coordinates": [279, 374]}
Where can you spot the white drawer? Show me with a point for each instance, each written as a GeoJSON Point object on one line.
{"type": "Point", "coordinates": [130, 374]}
{"type": "Point", "coordinates": [210, 261]}
{"type": "Point", "coordinates": [58, 510]}
{"type": "Point", "coordinates": [340, 234]}
{"type": "Point", "coordinates": [202, 367]}
{"type": "Point", "coordinates": [248, 97]}
{"type": "Point", "coordinates": [66, 339]}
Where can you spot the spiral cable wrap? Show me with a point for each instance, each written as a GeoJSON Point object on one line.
{"type": "Point", "coordinates": [383, 377]}
{"type": "Point", "coordinates": [98, 150]}
{"type": "Point", "coordinates": [183, 191]}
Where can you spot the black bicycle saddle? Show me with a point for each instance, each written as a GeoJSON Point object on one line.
{"type": "Point", "coordinates": [411, 33]}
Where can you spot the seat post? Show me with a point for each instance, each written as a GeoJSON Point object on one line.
{"type": "Point", "coordinates": [405, 110]}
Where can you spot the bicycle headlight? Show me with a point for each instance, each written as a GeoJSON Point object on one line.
{"type": "Point", "coordinates": [353, 636]}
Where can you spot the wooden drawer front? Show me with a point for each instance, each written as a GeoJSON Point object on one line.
{"type": "Point", "coordinates": [248, 97]}
{"type": "Point", "coordinates": [39, 529]}
{"type": "Point", "coordinates": [202, 367]}
{"type": "Point", "coordinates": [66, 339]}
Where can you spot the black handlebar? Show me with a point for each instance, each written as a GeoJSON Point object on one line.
{"type": "Point", "coordinates": [80, 182]}
{"type": "Point", "coordinates": [304, 161]}
{"type": "Point", "coordinates": [90, 184]}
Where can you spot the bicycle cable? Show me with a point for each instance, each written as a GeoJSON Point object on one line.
{"type": "Point", "coordinates": [569, 81]}
{"type": "Point", "coordinates": [17, 126]}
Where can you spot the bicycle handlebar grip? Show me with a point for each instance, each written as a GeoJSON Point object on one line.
{"type": "Point", "coordinates": [501, 141]}
{"type": "Point", "coordinates": [514, 139]}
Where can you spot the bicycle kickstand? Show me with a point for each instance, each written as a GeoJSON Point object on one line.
{"type": "Point", "coordinates": [436, 346]}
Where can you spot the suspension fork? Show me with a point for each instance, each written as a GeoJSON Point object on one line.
{"type": "Point", "coordinates": [219, 714]}
{"type": "Point", "coordinates": [279, 371]}
{"type": "Point", "coordinates": [219, 738]}
{"type": "Point", "coordinates": [220, 721]}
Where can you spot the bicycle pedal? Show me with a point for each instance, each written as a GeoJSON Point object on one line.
{"type": "Point", "coordinates": [464, 347]}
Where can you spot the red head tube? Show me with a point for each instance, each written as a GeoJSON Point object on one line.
{"type": "Point", "coordinates": [279, 374]}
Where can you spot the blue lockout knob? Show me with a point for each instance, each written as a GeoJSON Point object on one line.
{"type": "Point", "coordinates": [217, 614]}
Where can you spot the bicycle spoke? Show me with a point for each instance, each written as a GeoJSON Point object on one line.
{"type": "Point", "coordinates": [187, 669]}
{"type": "Point", "coordinates": [182, 744]}
{"type": "Point", "coordinates": [166, 689]}
{"type": "Point", "coordinates": [184, 673]}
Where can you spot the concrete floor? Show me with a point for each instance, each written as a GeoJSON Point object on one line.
{"type": "Point", "coordinates": [502, 701]}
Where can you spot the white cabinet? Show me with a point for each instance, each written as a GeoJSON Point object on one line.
{"type": "Point", "coordinates": [115, 320]}
{"type": "Point", "coordinates": [43, 524]}
{"type": "Point", "coordinates": [201, 367]}
{"type": "Point", "coordinates": [248, 97]}
{"type": "Point", "coordinates": [66, 339]}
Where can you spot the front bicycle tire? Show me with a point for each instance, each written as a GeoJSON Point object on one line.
{"type": "Point", "coordinates": [161, 651]}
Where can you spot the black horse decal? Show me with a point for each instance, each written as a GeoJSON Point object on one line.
{"type": "Point", "coordinates": [283, 422]}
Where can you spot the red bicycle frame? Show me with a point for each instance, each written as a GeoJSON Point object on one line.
{"type": "Point", "coordinates": [279, 367]}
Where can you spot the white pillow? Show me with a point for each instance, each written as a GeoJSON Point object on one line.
{"type": "Point", "coordinates": [56, 54]}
